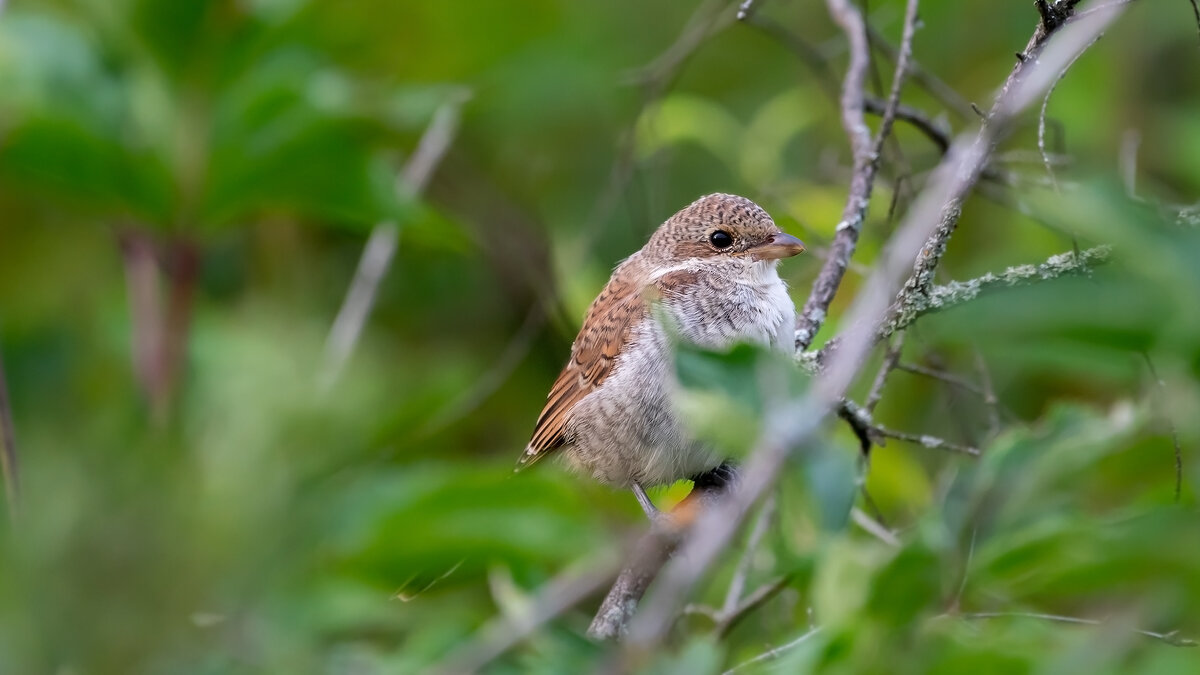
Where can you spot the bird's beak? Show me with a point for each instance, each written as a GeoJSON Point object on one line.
{"type": "Point", "coordinates": [781, 245]}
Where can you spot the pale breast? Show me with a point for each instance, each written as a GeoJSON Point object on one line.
{"type": "Point", "coordinates": [721, 310]}
{"type": "Point", "coordinates": [628, 430]}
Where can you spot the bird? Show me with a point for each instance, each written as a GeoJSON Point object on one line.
{"type": "Point", "coordinates": [707, 276]}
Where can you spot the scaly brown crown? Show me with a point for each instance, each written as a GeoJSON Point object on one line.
{"type": "Point", "coordinates": [720, 225]}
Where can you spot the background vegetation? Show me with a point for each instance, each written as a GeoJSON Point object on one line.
{"type": "Point", "coordinates": [186, 189]}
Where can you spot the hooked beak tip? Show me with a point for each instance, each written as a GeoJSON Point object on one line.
{"type": "Point", "coordinates": [781, 245]}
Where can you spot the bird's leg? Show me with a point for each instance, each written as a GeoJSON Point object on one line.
{"type": "Point", "coordinates": [657, 517]}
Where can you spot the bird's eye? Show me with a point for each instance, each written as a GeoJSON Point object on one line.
{"type": "Point", "coordinates": [721, 239]}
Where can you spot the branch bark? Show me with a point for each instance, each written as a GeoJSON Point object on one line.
{"type": "Point", "coordinates": [381, 244]}
{"type": "Point", "coordinates": [866, 158]}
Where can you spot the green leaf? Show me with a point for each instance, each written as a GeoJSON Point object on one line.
{"type": "Point", "coordinates": [722, 394]}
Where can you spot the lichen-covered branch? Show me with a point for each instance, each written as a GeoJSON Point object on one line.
{"type": "Point", "coordinates": [955, 293]}
{"type": "Point", "coordinates": [940, 298]}
{"type": "Point", "coordinates": [1053, 16]}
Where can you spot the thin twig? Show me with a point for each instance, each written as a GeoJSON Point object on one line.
{"type": "Point", "coordinates": [861, 419]}
{"type": "Point", "coordinates": [8, 447]}
{"type": "Point", "coordinates": [949, 378]}
{"type": "Point", "coordinates": [962, 584]}
{"type": "Point", "coordinates": [931, 442]}
{"type": "Point", "coordinates": [1041, 132]}
{"type": "Point", "coordinates": [746, 10]}
{"type": "Point", "coordinates": [989, 394]}
{"type": "Point", "coordinates": [1172, 638]}
{"type": "Point", "coordinates": [730, 618]}
{"type": "Point", "coordinates": [1128, 159]}
{"type": "Point", "coordinates": [890, 360]}
{"type": "Point", "coordinates": [738, 583]}
{"type": "Point", "coordinates": [772, 654]}
{"type": "Point", "coordinates": [708, 19]}
{"type": "Point", "coordinates": [827, 81]}
{"type": "Point", "coordinates": [381, 245]}
{"type": "Point", "coordinates": [1161, 389]}
{"type": "Point", "coordinates": [488, 382]}
{"type": "Point", "coordinates": [874, 527]}
{"type": "Point", "coordinates": [553, 598]}
{"type": "Point", "coordinates": [935, 86]}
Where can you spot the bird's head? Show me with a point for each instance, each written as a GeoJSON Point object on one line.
{"type": "Point", "coordinates": [722, 228]}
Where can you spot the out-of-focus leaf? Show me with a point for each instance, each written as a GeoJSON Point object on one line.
{"type": "Point", "coordinates": [722, 395]}
{"type": "Point", "coordinates": [687, 119]}
{"type": "Point", "coordinates": [697, 656]}
{"type": "Point", "coordinates": [832, 481]}
{"type": "Point", "coordinates": [88, 169]}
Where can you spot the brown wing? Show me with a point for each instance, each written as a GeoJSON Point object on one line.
{"type": "Point", "coordinates": [605, 330]}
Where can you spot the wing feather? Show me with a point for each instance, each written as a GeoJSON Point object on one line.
{"type": "Point", "coordinates": [605, 331]}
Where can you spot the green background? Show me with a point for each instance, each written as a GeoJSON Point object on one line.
{"type": "Point", "coordinates": [249, 520]}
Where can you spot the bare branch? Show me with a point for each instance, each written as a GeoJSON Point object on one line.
{"type": "Point", "coordinates": [989, 394]}
{"type": "Point", "coordinates": [652, 551]}
{"type": "Point", "coordinates": [1172, 638]}
{"type": "Point", "coordinates": [553, 598]}
{"type": "Point", "coordinates": [730, 618]}
{"type": "Point", "coordinates": [862, 420]}
{"type": "Point", "coordinates": [381, 245]}
{"type": "Point", "coordinates": [915, 117]}
{"type": "Point", "coordinates": [611, 620]}
{"type": "Point", "coordinates": [931, 442]}
{"type": "Point", "coordinates": [949, 378]}
{"type": "Point", "coordinates": [1130, 141]}
{"type": "Point", "coordinates": [1041, 135]}
{"type": "Point", "coordinates": [866, 158]}
{"type": "Point", "coordinates": [1161, 390]}
{"type": "Point", "coordinates": [890, 360]}
{"type": "Point", "coordinates": [772, 654]}
{"type": "Point", "coordinates": [874, 527]}
{"type": "Point", "coordinates": [738, 584]}
{"type": "Point", "coordinates": [939, 89]}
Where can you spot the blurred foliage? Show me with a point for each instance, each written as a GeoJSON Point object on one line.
{"type": "Point", "coordinates": [267, 525]}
